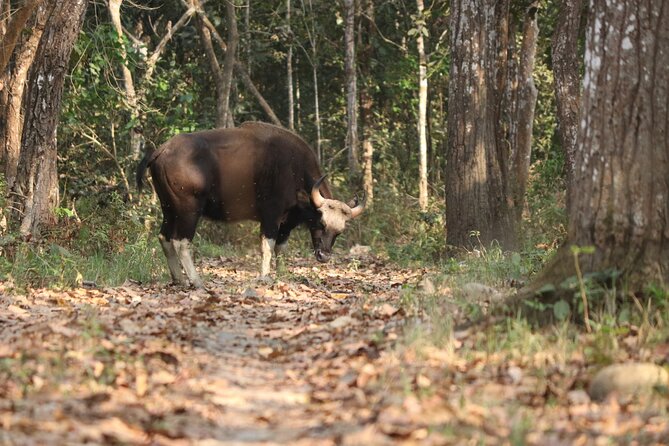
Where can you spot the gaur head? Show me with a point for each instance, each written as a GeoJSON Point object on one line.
{"type": "Point", "coordinates": [332, 216]}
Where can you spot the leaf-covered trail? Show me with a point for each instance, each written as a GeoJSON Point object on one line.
{"type": "Point", "coordinates": [241, 363]}
{"type": "Point", "coordinates": [325, 355]}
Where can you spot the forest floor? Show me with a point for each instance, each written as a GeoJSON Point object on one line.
{"type": "Point", "coordinates": [327, 354]}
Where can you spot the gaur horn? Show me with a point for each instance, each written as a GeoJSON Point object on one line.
{"type": "Point", "coordinates": [359, 206]}
{"type": "Point", "coordinates": [316, 196]}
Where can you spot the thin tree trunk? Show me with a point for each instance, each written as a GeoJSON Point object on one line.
{"type": "Point", "coordinates": [317, 112]}
{"type": "Point", "coordinates": [230, 56]}
{"type": "Point", "coordinates": [310, 26]}
{"type": "Point", "coordinates": [11, 99]}
{"type": "Point", "coordinates": [13, 31]}
{"type": "Point", "coordinates": [523, 113]}
{"type": "Point", "coordinates": [114, 7]}
{"type": "Point", "coordinates": [422, 109]}
{"type": "Point", "coordinates": [352, 141]}
{"type": "Point", "coordinates": [366, 99]}
{"type": "Point", "coordinates": [35, 192]}
{"type": "Point", "coordinates": [289, 70]}
{"type": "Point", "coordinates": [566, 64]}
{"type": "Point", "coordinates": [216, 71]}
{"type": "Point", "coordinates": [241, 71]}
{"type": "Point", "coordinates": [247, 33]}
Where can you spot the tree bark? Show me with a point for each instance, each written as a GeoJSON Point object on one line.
{"type": "Point", "coordinates": [11, 97]}
{"type": "Point", "coordinates": [35, 192]}
{"type": "Point", "coordinates": [620, 195]}
{"type": "Point", "coordinates": [352, 140]}
{"type": "Point", "coordinates": [422, 108]}
{"type": "Point", "coordinates": [566, 71]}
{"type": "Point", "coordinates": [477, 196]}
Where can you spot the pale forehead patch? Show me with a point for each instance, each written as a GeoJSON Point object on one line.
{"type": "Point", "coordinates": [335, 215]}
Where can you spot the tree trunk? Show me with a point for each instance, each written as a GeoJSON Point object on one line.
{"type": "Point", "coordinates": [477, 196]}
{"type": "Point", "coordinates": [620, 203]}
{"type": "Point", "coordinates": [367, 101]}
{"type": "Point", "coordinates": [241, 71]}
{"type": "Point", "coordinates": [422, 108]}
{"type": "Point", "coordinates": [523, 106]}
{"type": "Point", "coordinates": [11, 97]}
{"type": "Point", "coordinates": [114, 7]}
{"type": "Point", "coordinates": [222, 76]}
{"type": "Point", "coordinates": [35, 192]}
{"type": "Point", "coordinates": [289, 70]}
{"type": "Point", "coordinates": [352, 142]}
{"type": "Point", "coordinates": [566, 71]}
{"type": "Point", "coordinates": [310, 26]}
{"type": "Point", "coordinates": [216, 71]}
{"type": "Point", "coordinates": [230, 57]}
{"type": "Point", "coordinates": [13, 29]}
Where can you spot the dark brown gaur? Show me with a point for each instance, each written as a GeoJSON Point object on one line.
{"type": "Point", "coordinates": [254, 172]}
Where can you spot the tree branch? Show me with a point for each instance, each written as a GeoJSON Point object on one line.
{"type": "Point", "coordinates": [13, 31]}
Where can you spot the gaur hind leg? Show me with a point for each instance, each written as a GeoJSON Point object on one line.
{"type": "Point", "coordinates": [181, 238]}
{"type": "Point", "coordinates": [165, 237]}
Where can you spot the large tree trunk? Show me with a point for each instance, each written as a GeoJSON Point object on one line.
{"type": "Point", "coordinates": [35, 192]}
{"type": "Point", "coordinates": [620, 194]}
{"type": "Point", "coordinates": [478, 205]}
{"type": "Point", "coordinates": [352, 141]}
{"type": "Point", "coordinates": [422, 108]}
{"type": "Point", "coordinates": [566, 71]}
{"type": "Point", "coordinates": [11, 97]}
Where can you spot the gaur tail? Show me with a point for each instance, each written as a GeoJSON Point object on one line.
{"type": "Point", "coordinates": [141, 168]}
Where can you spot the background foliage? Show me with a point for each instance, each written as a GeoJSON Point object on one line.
{"type": "Point", "coordinates": [104, 219]}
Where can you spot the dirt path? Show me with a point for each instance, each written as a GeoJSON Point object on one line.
{"type": "Point", "coordinates": [242, 363]}
{"type": "Point", "coordinates": [324, 356]}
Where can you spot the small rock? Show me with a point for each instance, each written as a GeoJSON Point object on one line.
{"type": "Point", "coordinates": [360, 250]}
{"type": "Point", "coordinates": [515, 374]}
{"type": "Point", "coordinates": [627, 380]}
{"type": "Point", "coordinates": [250, 293]}
{"type": "Point", "coordinates": [342, 321]}
{"type": "Point", "coordinates": [578, 397]}
{"type": "Point", "coordinates": [478, 291]}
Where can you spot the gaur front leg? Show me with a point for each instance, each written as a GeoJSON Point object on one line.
{"type": "Point", "coordinates": [267, 247]}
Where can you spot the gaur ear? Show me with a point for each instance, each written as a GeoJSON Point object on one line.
{"type": "Point", "coordinates": [302, 197]}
